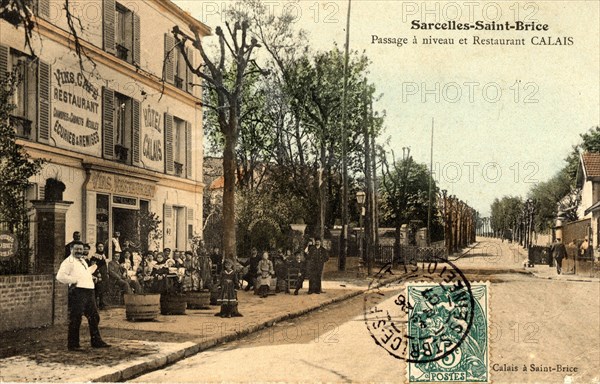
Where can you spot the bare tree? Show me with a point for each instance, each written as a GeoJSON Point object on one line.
{"type": "Point", "coordinates": [239, 48]}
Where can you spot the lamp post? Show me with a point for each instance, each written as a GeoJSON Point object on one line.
{"type": "Point", "coordinates": [360, 199]}
{"type": "Point", "coordinates": [445, 216]}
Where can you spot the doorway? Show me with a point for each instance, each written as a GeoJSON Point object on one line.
{"type": "Point", "coordinates": [125, 222]}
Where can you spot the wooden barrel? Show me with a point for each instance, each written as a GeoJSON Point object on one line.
{"type": "Point", "coordinates": [173, 304]}
{"type": "Point", "coordinates": [199, 299]}
{"type": "Point", "coordinates": [141, 307]}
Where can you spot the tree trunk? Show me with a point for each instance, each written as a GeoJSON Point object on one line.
{"type": "Point", "coordinates": [322, 194]}
{"type": "Point", "coordinates": [229, 174]}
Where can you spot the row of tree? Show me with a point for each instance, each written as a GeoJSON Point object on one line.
{"type": "Point", "coordinates": [544, 201]}
{"type": "Point", "coordinates": [275, 111]}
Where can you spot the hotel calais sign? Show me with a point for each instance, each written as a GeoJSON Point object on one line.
{"type": "Point", "coordinates": [76, 112]}
{"type": "Point", "coordinates": [152, 138]}
{"type": "Point", "coordinates": [121, 185]}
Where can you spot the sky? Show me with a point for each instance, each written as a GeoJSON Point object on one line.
{"type": "Point", "coordinates": [504, 116]}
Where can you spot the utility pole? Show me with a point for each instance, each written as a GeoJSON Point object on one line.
{"type": "Point", "coordinates": [430, 186]}
{"type": "Point", "coordinates": [367, 171]}
{"type": "Point", "coordinates": [344, 234]}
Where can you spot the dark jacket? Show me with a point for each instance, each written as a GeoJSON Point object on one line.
{"type": "Point", "coordinates": [559, 251]}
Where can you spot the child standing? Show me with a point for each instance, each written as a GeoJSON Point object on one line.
{"type": "Point", "coordinates": [265, 271]}
{"type": "Point", "coordinates": [228, 294]}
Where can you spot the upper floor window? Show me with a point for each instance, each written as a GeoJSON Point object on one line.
{"type": "Point", "coordinates": [180, 70]}
{"type": "Point", "coordinates": [179, 146]}
{"type": "Point", "coordinates": [123, 35]}
{"type": "Point", "coordinates": [121, 32]}
{"type": "Point", "coordinates": [123, 127]}
{"type": "Point", "coordinates": [24, 115]}
{"type": "Point", "coordinates": [175, 68]}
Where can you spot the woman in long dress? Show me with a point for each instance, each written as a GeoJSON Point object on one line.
{"type": "Point", "coordinates": [228, 294]}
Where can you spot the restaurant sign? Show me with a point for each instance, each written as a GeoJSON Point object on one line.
{"type": "Point", "coordinates": [120, 185]}
{"type": "Point", "coordinates": [76, 112]}
{"type": "Point", "coordinates": [8, 244]}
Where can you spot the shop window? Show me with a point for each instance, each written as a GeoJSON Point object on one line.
{"type": "Point", "coordinates": [102, 218]}
{"type": "Point", "coordinates": [123, 127]}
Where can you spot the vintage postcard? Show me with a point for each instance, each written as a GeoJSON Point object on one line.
{"type": "Point", "coordinates": [346, 191]}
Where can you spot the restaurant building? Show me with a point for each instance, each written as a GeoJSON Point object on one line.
{"type": "Point", "coordinates": [122, 129]}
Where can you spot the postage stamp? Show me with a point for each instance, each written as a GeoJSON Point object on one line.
{"type": "Point", "coordinates": [447, 330]}
{"type": "Point", "coordinates": [438, 323]}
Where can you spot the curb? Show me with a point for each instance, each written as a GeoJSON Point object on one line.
{"type": "Point", "coordinates": [580, 280]}
{"type": "Point", "coordinates": [172, 357]}
{"type": "Point", "coordinates": [468, 249]}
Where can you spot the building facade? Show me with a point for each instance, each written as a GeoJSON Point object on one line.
{"type": "Point", "coordinates": [124, 134]}
{"type": "Point", "coordinates": [120, 125]}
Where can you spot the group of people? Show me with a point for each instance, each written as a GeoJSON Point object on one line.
{"type": "Point", "coordinates": [89, 276]}
{"type": "Point", "coordinates": [259, 271]}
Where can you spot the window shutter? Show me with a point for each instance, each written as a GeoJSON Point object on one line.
{"type": "Point", "coordinates": [168, 225]}
{"type": "Point", "coordinates": [43, 8]}
{"type": "Point", "coordinates": [190, 222]}
{"type": "Point", "coordinates": [109, 10]}
{"type": "Point", "coordinates": [169, 166]}
{"type": "Point", "coordinates": [108, 140]}
{"type": "Point", "coordinates": [189, 75]}
{"type": "Point", "coordinates": [169, 71]}
{"type": "Point", "coordinates": [136, 40]}
{"type": "Point", "coordinates": [135, 116]}
{"type": "Point", "coordinates": [44, 75]}
{"type": "Point", "coordinates": [4, 52]}
{"type": "Point", "coordinates": [41, 192]}
{"type": "Point", "coordinates": [188, 150]}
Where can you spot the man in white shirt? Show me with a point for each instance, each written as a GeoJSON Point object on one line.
{"type": "Point", "coordinates": [75, 272]}
{"type": "Point", "coordinates": [116, 242]}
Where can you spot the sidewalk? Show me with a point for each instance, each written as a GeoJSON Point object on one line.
{"type": "Point", "coordinates": [139, 347]}
{"type": "Point", "coordinates": [547, 272]}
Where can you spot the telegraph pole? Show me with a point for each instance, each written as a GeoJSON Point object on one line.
{"type": "Point", "coordinates": [344, 234]}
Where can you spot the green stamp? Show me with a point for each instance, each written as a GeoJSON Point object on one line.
{"type": "Point", "coordinates": [447, 331]}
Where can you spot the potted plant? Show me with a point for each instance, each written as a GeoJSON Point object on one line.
{"type": "Point", "coordinates": [54, 189]}
{"type": "Point", "coordinates": [169, 284]}
{"type": "Point", "coordinates": [198, 280]}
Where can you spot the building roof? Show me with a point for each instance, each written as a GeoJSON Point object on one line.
{"type": "Point", "coordinates": [217, 183]}
{"type": "Point", "coordinates": [589, 168]}
{"type": "Point", "coordinates": [186, 16]}
{"type": "Point", "coordinates": [591, 164]}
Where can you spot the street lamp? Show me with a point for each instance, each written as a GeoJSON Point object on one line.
{"type": "Point", "coordinates": [360, 199]}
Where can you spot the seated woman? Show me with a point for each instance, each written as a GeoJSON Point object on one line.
{"type": "Point", "coordinates": [144, 271]}
{"type": "Point", "coordinates": [159, 273]}
{"type": "Point", "coordinates": [130, 276]}
{"type": "Point", "coordinates": [265, 271]}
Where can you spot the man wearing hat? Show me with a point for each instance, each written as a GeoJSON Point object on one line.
{"type": "Point", "coordinates": [316, 258]}
{"type": "Point", "coordinates": [559, 252]}
{"type": "Point", "coordinates": [75, 272]}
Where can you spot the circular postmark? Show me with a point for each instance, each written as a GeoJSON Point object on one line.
{"type": "Point", "coordinates": [429, 319]}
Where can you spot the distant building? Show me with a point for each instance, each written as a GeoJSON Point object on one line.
{"type": "Point", "coordinates": [588, 179]}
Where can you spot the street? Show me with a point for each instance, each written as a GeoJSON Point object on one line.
{"type": "Point", "coordinates": [531, 318]}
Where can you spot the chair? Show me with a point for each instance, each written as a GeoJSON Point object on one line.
{"type": "Point", "coordinates": [292, 278]}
